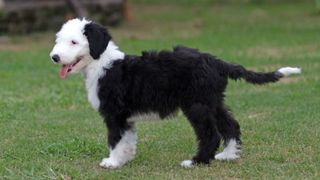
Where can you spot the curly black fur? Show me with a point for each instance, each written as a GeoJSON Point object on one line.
{"type": "Point", "coordinates": [165, 81]}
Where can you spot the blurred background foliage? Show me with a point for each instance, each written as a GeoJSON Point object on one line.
{"type": "Point", "coordinates": [17, 20]}
{"type": "Point", "coordinates": [220, 1]}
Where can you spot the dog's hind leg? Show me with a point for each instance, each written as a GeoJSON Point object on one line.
{"type": "Point", "coordinates": [122, 143]}
{"type": "Point", "coordinates": [229, 129]}
{"type": "Point", "coordinates": [203, 121]}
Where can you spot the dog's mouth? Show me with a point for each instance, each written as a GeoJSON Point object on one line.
{"type": "Point", "coordinates": [66, 68]}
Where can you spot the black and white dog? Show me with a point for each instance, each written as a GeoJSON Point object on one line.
{"type": "Point", "coordinates": [122, 86]}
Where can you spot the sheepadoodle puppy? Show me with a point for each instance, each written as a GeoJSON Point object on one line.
{"type": "Point", "coordinates": [122, 86]}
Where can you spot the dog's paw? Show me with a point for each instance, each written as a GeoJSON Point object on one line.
{"type": "Point", "coordinates": [109, 163]}
{"type": "Point", "coordinates": [225, 156]}
{"type": "Point", "coordinates": [187, 163]}
{"type": "Point", "coordinates": [230, 152]}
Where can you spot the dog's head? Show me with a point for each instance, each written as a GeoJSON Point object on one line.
{"type": "Point", "coordinates": [78, 43]}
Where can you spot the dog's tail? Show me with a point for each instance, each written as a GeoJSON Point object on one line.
{"type": "Point", "coordinates": [237, 72]}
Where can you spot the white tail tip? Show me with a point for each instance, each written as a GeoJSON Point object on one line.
{"type": "Point", "coordinates": [287, 71]}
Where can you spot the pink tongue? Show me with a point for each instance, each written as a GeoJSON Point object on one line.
{"type": "Point", "coordinates": [64, 71]}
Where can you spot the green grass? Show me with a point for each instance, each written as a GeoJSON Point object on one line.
{"type": "Point", "coordinates": [48, 129]}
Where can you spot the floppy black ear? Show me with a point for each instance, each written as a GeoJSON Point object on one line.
{"type": "Point", "coordinates": [98, 39]}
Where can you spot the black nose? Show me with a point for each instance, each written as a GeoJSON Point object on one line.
{"type": "Point", "coordinates": [55, 58]}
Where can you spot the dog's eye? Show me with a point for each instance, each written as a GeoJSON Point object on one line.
{"type": "Point", "coordinates": [74, 42]}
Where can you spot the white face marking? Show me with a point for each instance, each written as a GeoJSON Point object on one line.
{"type": "Point", "coordinates": [230, 152]}
{"type": "Point", "coordinates": [123, 152]}
{"type": "Point", "coordinates": [72, 45]}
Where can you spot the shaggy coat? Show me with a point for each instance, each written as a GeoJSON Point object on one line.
{"type": "Point", "coordinates": [162, 82]}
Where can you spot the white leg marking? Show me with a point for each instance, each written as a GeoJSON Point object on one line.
{"type": "Point", "coordinates": [124, 151]}
{"type": "Point", "coordinates": [230, 152]}
{"type": "Point", "coordinates": [286, 71]}
{"type": "Point", "coordinates": [187, 163]}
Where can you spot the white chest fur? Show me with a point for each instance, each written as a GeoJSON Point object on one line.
{"type": "Point", "coordinates": [92, 90]}
{"type": "Point", "coordinates": [96, 70]}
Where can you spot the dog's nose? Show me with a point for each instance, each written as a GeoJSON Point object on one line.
{"type": "Point", "coordinates": [55, 58]}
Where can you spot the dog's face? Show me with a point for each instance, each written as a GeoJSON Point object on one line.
{"type": "Point", "coordinates": [78, 43]}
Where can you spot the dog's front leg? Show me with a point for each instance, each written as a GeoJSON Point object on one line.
{"type": "Point", "coordinates": [122, 144]}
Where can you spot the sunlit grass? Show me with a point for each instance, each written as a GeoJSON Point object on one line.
{"type": "Point", "coordinates": [49, 130]}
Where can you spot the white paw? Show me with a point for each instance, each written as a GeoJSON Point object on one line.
{"type": "Point", "coordinates": [109, 163]}
{"type": "Point", "coordinates": [226, 156]}
{"type": "Point", "coordinates": [187, 163]}
{"type": "Point", "coordinates": [230, 152]}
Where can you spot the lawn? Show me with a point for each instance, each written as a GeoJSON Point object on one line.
{"type": "Point", "coordinates": [48, 129]}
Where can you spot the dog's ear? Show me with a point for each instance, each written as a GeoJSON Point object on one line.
{"type": "Point", "coordinates": [98, 38]}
